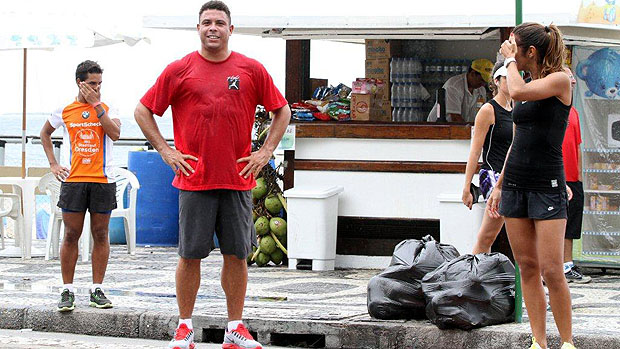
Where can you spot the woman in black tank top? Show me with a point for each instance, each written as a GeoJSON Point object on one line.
{"type": "Point", "coordinates": [531, 192]}
{"type": "Point", "coordinates": [491, 138]}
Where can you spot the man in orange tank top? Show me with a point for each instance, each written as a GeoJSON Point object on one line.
{"type": "Point", "coordinates": [89, 130]}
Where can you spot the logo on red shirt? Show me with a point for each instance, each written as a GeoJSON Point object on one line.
{"type": "Point", "coordinates": [233, 82]}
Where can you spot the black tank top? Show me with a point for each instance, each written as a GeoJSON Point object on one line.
{"type": "Point", "coordinates": [498, 139]}
{"type": "Point", "coordinates": [535, 160]}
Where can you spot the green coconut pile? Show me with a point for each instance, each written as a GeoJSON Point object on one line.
{"type": "Point", "coordinates": [269, 206]}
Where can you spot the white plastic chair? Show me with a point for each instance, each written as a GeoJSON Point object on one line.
{"type": "Point", "coordinates": [14, 211]}
{"type": "Point", "coordinates": [128, 213]}
{"type": "Point", "coordinates": [50, 185]}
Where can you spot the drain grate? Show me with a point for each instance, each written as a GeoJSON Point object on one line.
{"type": "Point", "coordinates": [216, 335]}
{"type": "Point", "coordinates": [298, 340]}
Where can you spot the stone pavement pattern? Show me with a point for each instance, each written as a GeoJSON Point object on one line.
{"type": "Point", "coordinates": [279, 301]}
{"type": "Point", "coordinates": [41, 340]}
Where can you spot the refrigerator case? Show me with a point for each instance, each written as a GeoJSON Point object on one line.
{"type": "Point", "coordinates": [600, 241]}
{"type": "Point", "coordinates": [598, 103]}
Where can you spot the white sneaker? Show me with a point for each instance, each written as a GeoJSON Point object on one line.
{"type": "Point", "coordinates": [240, 338]}
{"type": "Point", "coordinates": [183, 338]}
{"type": "Point", "coordinates": [534, 344]}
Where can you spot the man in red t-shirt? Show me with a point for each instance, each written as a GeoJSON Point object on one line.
{"type": "Point", "coordinates": [214, 93]}
{"type": "Point", "coordinates": [572, 170]}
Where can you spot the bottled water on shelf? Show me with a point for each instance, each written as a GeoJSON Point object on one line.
{"type": "Point", "coordinates": [408, 115]}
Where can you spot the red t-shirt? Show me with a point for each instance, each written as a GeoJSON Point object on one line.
{"type": "Point", "coordinates": [213, 106]}
{"type": "Point", "coordinates": [570, 146]}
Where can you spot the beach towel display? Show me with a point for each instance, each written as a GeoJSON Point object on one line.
{"type": "Point", "coordinates": [396, 293]}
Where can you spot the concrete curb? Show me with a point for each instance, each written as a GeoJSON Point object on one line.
{"type": "Point", "coordinates": [353, 333]}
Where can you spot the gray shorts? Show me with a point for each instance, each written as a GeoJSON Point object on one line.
{"type": "Point", "coordinates": [227, 213]}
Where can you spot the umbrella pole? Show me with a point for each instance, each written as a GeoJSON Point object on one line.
{"type": "Point", "coordinates": [24, 117]}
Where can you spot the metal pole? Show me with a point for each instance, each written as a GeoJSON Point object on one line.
{"type": "Point", "coordinates": [518, 291]}
{"type": "Point", "coordinates": [2, 144]}
{"type": "Point", "coordinates": [24, 117]}
{"type": "Point", "coordinates": [57, 145]}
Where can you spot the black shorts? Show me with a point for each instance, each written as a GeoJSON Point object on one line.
{"type": "Point", "coordinates": [534, 205]}
{"type": "Point", "coordinates": [575, 211]}
{"type": "Point", "coordinates": [227, 213]}
{"type": "Point", "coordinates": [82, 196]}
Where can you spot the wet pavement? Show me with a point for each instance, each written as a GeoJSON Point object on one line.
{"type": "Point", "coordinates": [284, 307]}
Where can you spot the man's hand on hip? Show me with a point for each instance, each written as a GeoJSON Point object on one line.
{"type": "Point", "coordinates": [255, 162]}
{"type": "Point", "coordinates": [60, 172]}
{"type": "Point", "coordinates": [176, 160]}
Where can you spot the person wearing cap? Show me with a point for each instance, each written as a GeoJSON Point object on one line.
{"type": "Point", "coordinates": [491, 138]}
{"type": "Point", "coordinates": [465, 93]}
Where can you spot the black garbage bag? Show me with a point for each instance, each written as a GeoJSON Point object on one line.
{"type": "Point", "coordinates": [471, 291]}
{"type": "Point", "coordinates": [396, 293]}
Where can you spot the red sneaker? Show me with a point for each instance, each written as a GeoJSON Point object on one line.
{"type": "Point", "coordinates": [183, 338]}
{"type": "Point", "coordinates": [240, 338]}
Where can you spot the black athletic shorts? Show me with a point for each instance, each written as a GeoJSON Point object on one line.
{"type": "Point", "coordinates": [534, 205]}
{"type": "Point", "coordinates": [575, 211]}
{"type": "Point", "coordinates": [227, 213]}
{"type": "Point", "coordinates": [82, 196]}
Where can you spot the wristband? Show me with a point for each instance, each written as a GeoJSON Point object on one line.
{"type": "Point", "coordinates": [96, 104]}
{"type": "Point", "coordinates": [99, 115]}
{"type": "Point", "coordinates": [508, 61]}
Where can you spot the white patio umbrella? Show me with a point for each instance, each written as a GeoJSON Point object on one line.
{"type": "Point", "coordinates": [47, 32]}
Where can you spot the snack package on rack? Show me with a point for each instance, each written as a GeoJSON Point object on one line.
{"type": "Point", "coordinates": [339, 111]}
{"type": "Point", "coordinates": [303, 111]}
{"type": "Point", "coordinates": [325, 93]}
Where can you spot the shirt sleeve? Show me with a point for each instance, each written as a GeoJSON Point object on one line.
{"type": "Point", "coordinates": [268, 94]}
{"type": "Point", "coordinates": [454, 98]}
{"type": "Point", "coordinates": [160, 95]}
{"type": "Point", "coordinates": [55, 118]}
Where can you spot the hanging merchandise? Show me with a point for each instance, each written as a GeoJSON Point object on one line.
{"type": "Point", "coordinates": [471, 291]}
{"type": "Point", "coordinates": [396, 293]}
{"type": "Point", "coordinates": [597, 100]}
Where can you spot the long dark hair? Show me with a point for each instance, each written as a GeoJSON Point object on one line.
{"type": "Point", "coordinates": [548, 42]}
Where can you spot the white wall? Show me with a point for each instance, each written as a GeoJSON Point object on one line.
{"type": "Point", "coordinates": [382, 149]}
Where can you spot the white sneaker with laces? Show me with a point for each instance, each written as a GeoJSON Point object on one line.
{"type": "Point", "coordinates": [240, 338]}
{"type": "Point", "coordinates": [183, 338]}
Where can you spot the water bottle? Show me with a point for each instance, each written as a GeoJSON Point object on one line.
{"type": "Point", "coordinates": [394, 93]}
{"type": "Point", "coordinates": [393, 70]}
{"type": "Point", "coordinates": [410, 116]}
{"type": "Point", "coordinates": [414, 95]}
{"type": "Point", "coordinates": [397, 114]}
{"type": "Point", "coordinates": [411, 73]}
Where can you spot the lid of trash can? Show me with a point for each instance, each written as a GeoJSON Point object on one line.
{"type": "Point", "coordinates": [313, 191]}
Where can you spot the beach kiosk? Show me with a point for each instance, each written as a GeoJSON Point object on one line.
{"type": "Point", "coordinates": [398, 176]}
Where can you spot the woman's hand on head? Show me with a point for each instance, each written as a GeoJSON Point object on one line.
{"type": "Point", "coordinates": [509, 47]}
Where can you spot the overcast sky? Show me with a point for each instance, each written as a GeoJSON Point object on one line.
{"type": "Point", "coordinates": [130, 71]}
